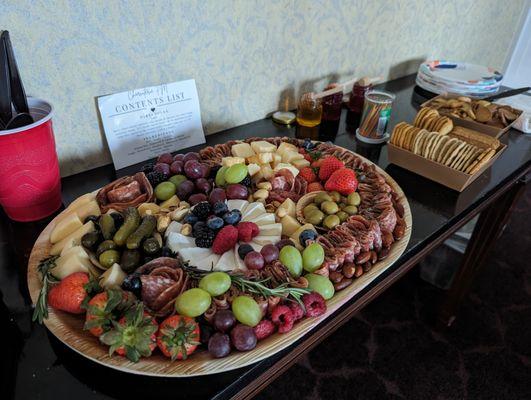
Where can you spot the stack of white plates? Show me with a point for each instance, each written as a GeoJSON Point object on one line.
{"type": "Point", "coordinates": [458, 78]}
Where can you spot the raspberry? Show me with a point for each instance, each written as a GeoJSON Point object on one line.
{"type": "Point", "coordinates": [307, 174]}
{"type": "Point", "coordinates": [247, 231]}
{"type": "Point", "coordinates": [328, 166]}
{"type": "Point", "coordinates": [314, 187]}
{"type": "Point", "coordinates": [264, 329]}
{"type": "Point", "coordinates": [314, 303]}
{"type": "Point", "coordinates": [283, 318]}
{"type": "Point", "coordinates": [297, 310]}
{"type": "Point", "coordinates": [225, 240]}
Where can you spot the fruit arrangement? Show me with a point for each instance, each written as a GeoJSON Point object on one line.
{"type": "Point", "coordinates": [205, 251]}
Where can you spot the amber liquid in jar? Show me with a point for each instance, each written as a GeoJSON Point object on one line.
{"type": "Point", "coordinates": [310, 111]}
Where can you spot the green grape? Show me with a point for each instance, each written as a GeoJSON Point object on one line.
{"type": "Point", "coordinates": [220, 177]}
{"type": "Point", "coordinates": [215, 283]}
{"type": "Point", "coordinates": [192, 302]}
{"type": "Point", "coordinates": [236, 173]}
{"type": "Point", "coordinates": [164, 190]}
{"type": "Point", "coordinates": [246, 310]}
{"type": "Point", "coordinates": [177, 179]}
{"type": "Point", "coordinates": [320, 284]}
{"type": "Point", "coordinates": [312, 257]}
{"type": "Point", "coordinates": [292, 260]}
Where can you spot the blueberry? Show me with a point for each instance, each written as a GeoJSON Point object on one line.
{"type": "Point", "coordinates": [166, 252]}
{"type": "Point", "coordinates": [308, 145]}
{"type": "Point", "coordinates": [232, 217]}
{"type": "Point", "coordinates": [190, 219]}
{"type": "Point", "coordinates": [244, 249]}
{"type": "Point", "coordinates": [220, 208]}
{"type": "Point", "coordinates": [305, 235]}
{"type": "Point", "coordinates": [214, 222]}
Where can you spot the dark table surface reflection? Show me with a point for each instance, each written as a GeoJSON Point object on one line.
{"type": "Point", "coordinates": [35, 365]}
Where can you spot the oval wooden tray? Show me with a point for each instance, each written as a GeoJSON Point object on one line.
{"type": "Point", "coordinates": [69, 328]}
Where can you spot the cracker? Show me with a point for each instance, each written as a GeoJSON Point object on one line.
{"type": "Point", "coordinates": [434, 146]}
{"type": "Point", "coordinates": [410, 136]}
{"type": "Point", "coordinates": [445, 149]}
{"type": "Point", "coordinates": [439, 146]}
{"type": "Point", "coordinates": [473, 157]}
{"type": "Point", "coordinates": [421, 137]}
{"type": "Point", "coordinates": [427, 146]}
{"type": "Point", "coordinates": [465, 157]}
{"type": "Point", "coordinates": [396, 129]}
{"type": "Point", "coordinates": [450, 151]}
{"type": "Point", "coordinates": [482, 160]}
{"type": "Point", "coordinates": [451, 155]}
{"type": "Point", "coordinates": [460, 155]}
{"type": "Point", "coordinates": [427, 121]}
{"type": "Point", "coordinates": [446, 127]}
{"type": "Point", "coordinates": [420, 115]}
{"type": "Point", "coordinates": [403, 136]}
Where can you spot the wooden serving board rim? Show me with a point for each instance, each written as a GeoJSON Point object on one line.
{"type": "Point", "coordinates": [68, 328]}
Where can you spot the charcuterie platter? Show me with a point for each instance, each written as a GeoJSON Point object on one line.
{"type": "Point", "coordinates": [211, 261]}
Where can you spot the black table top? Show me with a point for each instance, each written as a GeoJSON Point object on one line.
{"type": "Point", "coordinates": [36, 365]}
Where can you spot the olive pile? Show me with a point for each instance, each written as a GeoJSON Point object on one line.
{"type": "Point", "coordinates": [329, 209]}
{"type": "Point", "coordinates": [124, 238]}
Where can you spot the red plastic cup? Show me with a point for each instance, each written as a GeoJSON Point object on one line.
{"type": "Point", "coordinates": [30, 184]}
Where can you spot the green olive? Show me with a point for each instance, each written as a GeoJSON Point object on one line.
{"type": "Point", "coordinates": [354, 199]}
{"type": "Point", "coordinates": [331, 221]}
{"type": "Point", "coordinates": [335, 196]}
{"type": "Point", "coordinates": [314, 217]}
{"type": "Point", "coordinates": [321, 197]}
{"type": "Point", "coordinates": [329, 207]}
{"type": "Point", "coordinates": [109, 257]}
{"type": "Point", "coordinates": [308, 208]}
{"type": "Point", "coordinates": [342, 215]}
{"type": "Point", "coordinates": [351, 210]}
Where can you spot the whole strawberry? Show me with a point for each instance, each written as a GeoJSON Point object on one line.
{"type": "Point", "coordinates": [343, 181]}
{"type": "Point", "coordinates": [69, 293]}
{"type": "Point", "coordinates": [307, 174]}
{"type": "Point", "coordinates": [225, 240]}
{"type": "Point", "coordinates": [328, 166]}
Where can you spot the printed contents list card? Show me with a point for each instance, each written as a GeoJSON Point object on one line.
{"type": "Point", "coordinates": [142, 123]}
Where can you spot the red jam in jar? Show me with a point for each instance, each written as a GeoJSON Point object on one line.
{"type": "Point", "coordinates": [332, 105]}
{"type": "Point", "coordinates": [357, 97]}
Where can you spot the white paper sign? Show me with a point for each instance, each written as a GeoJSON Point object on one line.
{"type": "Point", "coordinates": [142, 123]}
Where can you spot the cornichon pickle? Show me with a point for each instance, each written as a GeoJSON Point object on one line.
{"type": "Point", "coordinates": [90, 240]}
{"type": "Point", "coordinates": [130, 260]}
{"type": "Point", "coordinates": [145, 229]}
{"type": "Point", "coordinates": [106, 245]}
{"type": "Point", "coordinates": [131, 222]}
{"type": "Point", "coordinates": [108, 258]}
{"type": "Point", "coordinates": [107, 226]}
{"type": "Point", "coordinates": [151, 246]}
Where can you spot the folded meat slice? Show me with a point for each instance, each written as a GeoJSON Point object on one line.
{"type": "Point", "coordinates": [129, 191]}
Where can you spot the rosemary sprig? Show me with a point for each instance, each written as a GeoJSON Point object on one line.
{"type": "Point", "coordinates": [41, 306]}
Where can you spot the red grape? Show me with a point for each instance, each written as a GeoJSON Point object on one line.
{"type": "Point", "coordinates": [190, 156]}
{"type": "Point", "coordinates": [197, 198]}
{"type": "Point", "coordinates": [203, 185]}
{"type": "Point", "coordinates": [162, 168]}
{"type": "Point", "coordinates": [270, 253]}
{"type": "Point", "coordinates": [165, 158]}
{"type": "Point", "coordinates": [224, 320]}
{"type": "Point", "coordinates": [243, 337]}
{"type": "Point", "coordinates": [185, 189]}
{"type": "Point", "coordinates": [237, 191]}
{"type": "Point", "coordinates": [219, 345]}
{"type": "Point", "coordinates": [178, 157]}
{"type": "Point", "coordinates": [254, 260]}
{"type": "Point", "coordinates": [217, 194]}
{"type": "Point", "coordinates": [193, 169]}
{"type": "Point", "coordinates": [176, 167]}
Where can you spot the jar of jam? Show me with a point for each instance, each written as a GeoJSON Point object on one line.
{"type": "Point", "coordinates": [332, 104]}
{"type": "Point", "coordinates": [309, 111]}
{"type": "Point", "coordinates": [357, 96]}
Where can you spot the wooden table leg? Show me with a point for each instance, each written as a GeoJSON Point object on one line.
{"type": "Point", "coordinates": [488, 228]}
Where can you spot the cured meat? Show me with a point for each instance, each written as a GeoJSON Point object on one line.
{"type": "Point", "coordinates": [163, 280]}
{"type": "Point", "coordinates": [129, 191]}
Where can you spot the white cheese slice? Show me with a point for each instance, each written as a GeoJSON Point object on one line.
{"type": "Point", "coordinates": [240, 265]}
{"type": "Point", "coordinates": [173, 227]}
{"type": "Point", "coordinates": [192, 254]}
{"type": "Point", "coordinates": [206, 263]}
{"type": "Point", "coordinates": [257, 247]}
{"type": "Point", "coordinates": [263, 240]}
{"type": "Point", "coordinates": [253, 210]}
{"type": "Point", "coordinates": [271, 229]}
{"type": "Point", "coordinates": [226, 262]}
{"type": "Point", "coordinates": [237, 204]}
{"type": "Point", "coordinates": [177, 241]}
{"type": "Point", "coordinates": [264, 219]}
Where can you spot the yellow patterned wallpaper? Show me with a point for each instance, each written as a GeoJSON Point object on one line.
{"type": "Point", "coordinates": [242, 54]}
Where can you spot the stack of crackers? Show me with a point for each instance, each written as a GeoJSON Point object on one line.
{"type": "Point", "coordinates": [462, 149]}
{"type": "Point", "coordinates": [430, 119]}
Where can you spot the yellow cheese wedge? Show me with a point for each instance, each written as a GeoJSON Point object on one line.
{"type": "Point", "coordinates": [265, 158]}
{"type": "Point", "coordinates": [288, 207]}
{"type": "Point", "coordinates": [91, 208]}
{"type": "Point", "coordinates": [266, 171]}
{"type": "Point", "coordinates": [253, 169]}
{"type": "Point", "coordinates": [277, 159]}
{"type": "Point", "coordinates": [289, 225]}
{"type": "Point", "coordinates": [82, 200]}
{"type": "Point", "coordinates": [76, 236]}
{"type": "Point", "coordinates": [289, 156]}
{"type": "Point", "coordinates": [284, 146]}
{"type": "Point", "coordinates": [113, 277]}
{"type": "Point", "coordinates": [77, 260]}
{"type": "Point", "coordinates": [65, 227]}
{"type": "Point", "coordinates": [293, 169]}
{"type": "Point", "coordinates": [299, 164]}
{"type": "Point", "coordinates": [261, 146]}
{"type": "Point", "coordinates": [230, 161]}
{"type": "Point", "coordinates": [242, 150]}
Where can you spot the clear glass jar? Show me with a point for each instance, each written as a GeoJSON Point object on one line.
{"type": "Point", "coordinates": [375, 118]}
{"type": "Point", "coordinates": [309, 111]}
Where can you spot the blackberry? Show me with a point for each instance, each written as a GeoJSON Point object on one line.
{"type": "Point", "coordinates": [155, 178]}
{"type": "Point", "coordinates": [246, 181]}
{"type": "Point", "coordinates": [146, 168]}
{"type": "Point", "coordinates": [198, 227]}
{"type": "Point", "coordinates": [202, 210]}
{"type": "Point", "coordinates": [220, 208]}
{"type": "Point", "coordinates": [205, 238]}
{"type": "Point", "coordinates": [213, 171]}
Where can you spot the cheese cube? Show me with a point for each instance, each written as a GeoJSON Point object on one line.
{"type": "Point", "coordinates": [265, 158]}
{"type": "Point", "coordinates": [277, 159]}
{"type": "Point", "coordinates": [284, 146]}
{"type": "Point", "coordinates": [289, 225]}
{"type": "Point", "coordinates": [295, 235]}
{"type": "Point", "coordinates": [65, 227]}
{"type": "Point", "coordinates": [267, 171]}
{"type": "Point", "coordinates": [300, 163]}
{"type": "Point", "coordinates": [261, 146]}
{"type": "Point", "coordinates": [293, 169]}
{"type": "Point", "coordinates": [253, 169]}
{"type": "Point", "coordinates": [258, 177]}
{"type": "Point", "coordinates": [243, 150]}
{"type": "Point", "coordinates": [290, 156]}
{"type": "Point", "coordinates": [288, 207]}
{"type": "Point", "coordinates": [230, 161]}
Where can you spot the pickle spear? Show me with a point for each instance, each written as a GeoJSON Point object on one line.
{"type": "Point", "coordinates": [146, 228]}
{"type": "Point", "coordinates": [131, 222]}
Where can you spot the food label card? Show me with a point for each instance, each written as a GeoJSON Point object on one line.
{"type": "Point", "coordinates": [142, 123]}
